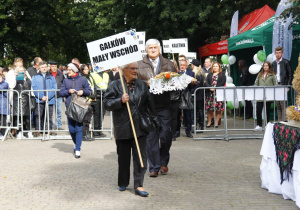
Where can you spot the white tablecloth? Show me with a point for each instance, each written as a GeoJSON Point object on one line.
{"type": "Point", "coordinates": [270, 172]}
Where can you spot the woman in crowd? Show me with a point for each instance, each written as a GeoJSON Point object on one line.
{"type": "Point", "coordinates": [266, 77]}
{"type": "Point", "coordinates": [4, 106]}
{"type": "Point", "coordinates": [79, 85]}
{"type": "Point", "coordinates": [199, 97]}
{"type": "Point", "coordinates": [19, 79]}
{"type": "Point", "coordinates": [138, 97]}
{"type": "Point", "coordinates": [215, 78]}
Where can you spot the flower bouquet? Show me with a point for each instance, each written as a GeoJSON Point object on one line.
{"type": "Point", "coordinates": [169, 81]}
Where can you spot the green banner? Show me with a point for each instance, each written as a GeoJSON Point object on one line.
{"type": "Point", "coordinates": [260, 35]}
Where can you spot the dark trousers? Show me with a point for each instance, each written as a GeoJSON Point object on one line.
{"type": "Point", "coordinates": [187, 115]}
{"type": "Point", "coordinates": [178, 121]}
{"type": "Point", "coordinates": [259, 108]}
{"type": "Point", "coordinates": [174, 110]}
{"type": "Point", "coordinates": [248, 109]}
{"type": "Point", "coordinates": [3, 123]}
{"type": "Point", "coordinates": [124, 148]}
{"type": "Point", "coordinates": [200, 112]}
{"type": "Point", "coordinates": [96, 114]}
{"type": "Point", "coordinates": [26, 122]}
{"type": "Point", "coordinates": [158, 157]}
{"type": "Point", "coordinates": [39, 114]}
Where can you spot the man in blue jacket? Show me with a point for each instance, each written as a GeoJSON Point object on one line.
{"type": "Point", "coordinates": [43, 81]}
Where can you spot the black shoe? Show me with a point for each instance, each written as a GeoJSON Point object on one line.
{"type": "Point", "coordinates": [189, 135]}
{"type": "Point", "coordinates": [99, 135]}
{"type": "Point", "coordinates": [141, 193]}
{"type": "Point", "coordinates": [173, 139]}
{"type": "Point", "coordinates": [177, 135]}
{"type": "Point", "coordinates": [122, 188]}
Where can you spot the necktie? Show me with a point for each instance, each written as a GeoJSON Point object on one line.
{"type": "Point", "coordinates": [154, 63]}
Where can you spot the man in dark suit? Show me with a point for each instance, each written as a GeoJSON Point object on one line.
{"type": "Point", "coordinates": [207, 66]}
{"type": "Point", "coordinates": [283, 71]}
{"type": "Point", "coordinates": [187, 113]}
{"type": "Point", "coordinates": [158, 144]}
{"type": "Point", "coordinates": [34, 69]}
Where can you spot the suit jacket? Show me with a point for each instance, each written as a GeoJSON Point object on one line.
{"type": "Point", "coordinates": [146, 72]}
{"type": "Point", "coordinates": [286, 75]}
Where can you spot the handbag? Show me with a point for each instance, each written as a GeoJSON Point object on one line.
{"type": "Point", "coordinates": [146, 123]}
{"type": "Point", "coordinates": [186, 101]}
{"type": "Point", "coordinates": [78, 108]}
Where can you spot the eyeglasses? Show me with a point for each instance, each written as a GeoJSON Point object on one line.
{"type": "Point", "coordinates": [132, 68]}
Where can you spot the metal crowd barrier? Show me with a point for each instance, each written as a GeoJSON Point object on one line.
{"type": "Point", "coordinates": [8, 116]}
{"type": "Point", "coordinates": [235, 126]}
{"type": "Point", "coordinates": [46, 133]}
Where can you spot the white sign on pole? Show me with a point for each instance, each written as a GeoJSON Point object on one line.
{"type": "Point", "coordinates": [190, 56]}
{"type": "Point", "coordinates": [166, 46]}
{"type": "Point", "coordinates": [179, 45]}
{"type": "Point", "coordinates": [142, 40]}
{"type": "Point", "coordinates": [113, 51]}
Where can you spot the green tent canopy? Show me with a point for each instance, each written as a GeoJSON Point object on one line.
{"type": "Point", "coordinates": [258, 36]}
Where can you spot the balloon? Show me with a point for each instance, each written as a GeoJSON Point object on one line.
{"type": "Point", "coordinates": [236, 104]}
{"type": "Point", "coordinates": [229, 80]}
{"type": "Point", "coordinates": [270, 58]}
{"type": "Point", "coordinates": [256, 60]}
{"type": "Point", "coordinates": [224, 59]}
{"type": "Point", "coordinates": [229, 104]}
{"type": "Point", "coordinates": [230, 85]}
{"type": "Point", "coordinates": [232, 105]}
{"type": "Point", "coordinates": [261, 55]}
{"type": "Point", "coordinates": [254, 68]}
{"type": "Point", "coordinates": [231, 59]}
{"type": "Point", "coordinates": [242, 104]}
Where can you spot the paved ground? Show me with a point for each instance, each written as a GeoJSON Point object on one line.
{"type": "Point", "coordinates": [204, 174]}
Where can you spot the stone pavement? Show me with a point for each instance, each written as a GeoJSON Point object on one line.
{"type": "Point", "coordinates": [205, 174]}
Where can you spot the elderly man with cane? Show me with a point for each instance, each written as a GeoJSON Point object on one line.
{"type": "Point", "coordinates": [128, 132]}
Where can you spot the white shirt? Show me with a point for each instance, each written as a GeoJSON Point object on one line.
{"type": "Point", "coordinates": [278, 70]}
{"type": "Point", "coordinates": [154, 63]}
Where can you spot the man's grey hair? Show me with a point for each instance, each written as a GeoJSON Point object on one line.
{"type": "Point", "coordinates": [42, 63]}
{"type": "Point", "coordinates": [152, 41]}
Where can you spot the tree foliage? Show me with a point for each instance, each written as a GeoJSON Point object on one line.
{"type": "Point", "coordinates": [59, 29]}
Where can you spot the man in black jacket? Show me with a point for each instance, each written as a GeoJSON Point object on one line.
{"type": "Point", "coordinates": [59, 77]}
{"type": "Point", "coordinates": [283, 71]}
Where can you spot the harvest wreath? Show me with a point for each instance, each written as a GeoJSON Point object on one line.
{"type": "Point", "coordinates": [169, 81]}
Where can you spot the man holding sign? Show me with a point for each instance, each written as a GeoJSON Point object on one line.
{"type": "Point", "coordinates": [151, 65]}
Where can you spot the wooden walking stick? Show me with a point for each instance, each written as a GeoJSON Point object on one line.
{"type": "Point", "coordinates": [131, 120]}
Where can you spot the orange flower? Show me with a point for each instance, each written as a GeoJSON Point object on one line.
{"type": "Point", "coordinates": [168, 76]}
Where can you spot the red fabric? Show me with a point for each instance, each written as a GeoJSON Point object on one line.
{"type": "Point", "coordinates": [245, 23]}
{"type": "Point", "coordinates": [54, 74]}
{"type": "Point", "coordinates": [75, 75]}
{"type": "Point", "coordinates": [255, 18]}
{"type": "Point", "coordinates": [214, 49]}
